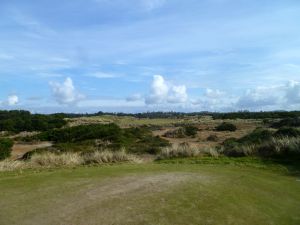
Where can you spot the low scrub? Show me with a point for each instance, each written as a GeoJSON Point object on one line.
{"type": "Point", "coordinates": [11, 165]}
{"type": "Point", "coordinates": [276, 147]}
{"type": "Point", "coordinates": [226, 127]}
{"type": "Point", "coordinates": [108, 136]}
{"type": "Point", "coordinates": [49, 159]}
{"type": "Point", "coordinates": [288, 132]}
{"type": "Point", "coordinates": [178, 133]}
{"type": "Point", "coordinates": [69, 159]}
{"type": "Point", "coordinates": [99, 157]}
{"type": "Point", "coordinates": [280, 147]}
{"type": "Point", "coordinates": [185, 152]}
{"type": "Point", "coordinates": [182, 132]}
{"type": "Point", "coordinates": [212, 138]}
{"type": "Point", "coordinates": [288, 122]}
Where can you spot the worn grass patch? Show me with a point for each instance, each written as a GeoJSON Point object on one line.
{"type": "Point", "coordinates": [156, 193]}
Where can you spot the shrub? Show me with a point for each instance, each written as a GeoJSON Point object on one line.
{"type": "Point", "coordinates": [49, 159]}
{"type": "Point", "coordinates": [226, 127]}
{"type": "Point", "coordinates": [182, 132]}
{"type": "Point", "coordinates": [280, 147]}
{"type": "Point", "coordinates": [246, 145]}
{"type": "Point", "coordinates": [186, 151]}
{"type": "Point", "coordinates": [110, 132]}
{"type": "Point", "coordinates": [212, 137]}
{"type": "Point", "coordinates": [288, 132]}
{"type": "Point", "coordinates": [288, 122]}
{"type": "Point", "coordinates": [190, 130]}
{"type": "Point", "coordinates": [178, 133]}
{"type": "Point", "coordinates": [179, 152]}
{"type": "Point", "coordinates": [5, 148]}
{"type": "Point", "coordinates": [99, 157]}
{"type": "Point", "coordinates": [257, 136]}
{"type": "Point", "coordinates": [239, 150]}
{"type": "Point", "coordinates": [70, 159]}
{"type": "Point", "coordinates": [108, 136]}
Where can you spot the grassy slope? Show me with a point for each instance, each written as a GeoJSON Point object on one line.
{"type": "Point", "coordinates": [212, 194]}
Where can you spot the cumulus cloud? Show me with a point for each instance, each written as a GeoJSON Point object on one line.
{"type": "Point", "coordinates": [65, 93]}
{"type": "Point", "coordinates": [215, 100]}
{"type": "Point", "coordinates": [178, 94]}
{"type": "Point", "coordinates": [260, 97]}
{"type": "Point", "coordinates": [162, 92]}
{"type": "Point", "coordinates": [12, 100]}
{"type": "Point", "coordinates": [285, 96]}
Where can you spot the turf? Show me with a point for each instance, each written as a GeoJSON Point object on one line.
{"type": "Point", "coordinates": [156, 193]}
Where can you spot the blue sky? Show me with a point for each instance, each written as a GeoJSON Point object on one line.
{"type": "Point", "coordinates": [149, 55]}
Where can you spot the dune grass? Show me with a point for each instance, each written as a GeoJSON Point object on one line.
{"type": "Point", "coordinates": [156, 193]}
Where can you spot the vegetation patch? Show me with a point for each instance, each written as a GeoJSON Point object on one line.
{"type": "Point", "coordinates": [182, 132]}
{"type": "Point", "coordinates": [19, 120]}
{"type": "Point", "coordinates": [226, 127]}
{"type": "Point", "coordinates": [104, 136]}
{"type": "Point", "coordinates": [287, 122]}
{"type": "Point", "coordinates": [5, 148]}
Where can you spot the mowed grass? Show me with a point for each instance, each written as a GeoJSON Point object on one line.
{"type": "Point", "coordinates": [155, 193]}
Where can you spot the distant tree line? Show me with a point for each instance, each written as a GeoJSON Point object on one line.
{"type": "Point", "coordinates": [19, 120]}
{"type": "Point", "coordinates": [215, 115]}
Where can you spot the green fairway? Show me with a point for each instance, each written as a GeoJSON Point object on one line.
{"type": "Point", "coordinates": [166, 194]}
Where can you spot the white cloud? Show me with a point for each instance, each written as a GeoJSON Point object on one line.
{"type": "Point", "coordinates": [150, 5]}
{"type": "Point", "coordinates": [215, 100]}
{"type": "Point", "coordinates": [159, 90]}
{"type": "Point", "coordinates": [163, 92]}
{"type": "Point", "coordinates": [12, 100]}
{"type": "Point", "coordinates": [260, 97]}
{"type": "Point", "coordinates": [178, 94]}
{"type": "Point", "coordinates": [65, 93]}
{"type": "Point", "coordinates": [102, 75]}
{"type": "Point", "coordinates": [210, 93]}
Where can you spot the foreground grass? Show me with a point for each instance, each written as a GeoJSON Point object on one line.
{"type": "Point", "coordinates": [164, 193]}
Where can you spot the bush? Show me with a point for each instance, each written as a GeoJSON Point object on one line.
{"type": "Point", "coordinates": [280, 147]}
{"type": "Point", "coordinates": [288, 132]}
{"type": "Point", "coordinates": [186, 152]}
{"type": "Point", "coordinates": [70, 159]}
{"type": "Point", "coordinates": [257, 136]}
{"type": "Point", "coordinates": [246, 145]}
{"type": "Point", "coordinates": [226, 127]}
{"type": "Point", "coordinates": [212, 138]}
{"type": "Point", "coordinates": [5, 148]}
{"type": "Point", "coordinates": [99, 157]}
{"type": "Point", "coordinates": [178, 133]}
{"type": "Point", "coordinates": [108, 136]}
{"type": "Point", "coordinates": [288, 122]}
{"type": "Point", "coordinates": [190, 130]}
{"type": "Point", "coordinates": [182, 132]}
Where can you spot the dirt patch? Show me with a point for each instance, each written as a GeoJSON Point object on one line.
{"type": "Point", "coordinates": [19, 149]}
{"type": "Point", "coordinates": [134, 184]}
